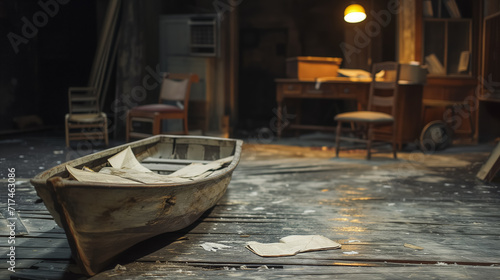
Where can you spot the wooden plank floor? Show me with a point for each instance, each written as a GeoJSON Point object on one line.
{"type": "Point", "coordinates": [373, 208]}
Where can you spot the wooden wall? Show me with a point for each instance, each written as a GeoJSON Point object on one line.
{"type": "Point", "coordinates": [259, 36]}
{"type": "Point", "coordinates": [44, 58]}
{"type": "Point", "coordinates": [137, 59]}
{"type": "Point", "coordinates": [271, 31]}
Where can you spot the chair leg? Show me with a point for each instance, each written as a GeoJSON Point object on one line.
{"type": "Point", "coordinates": [394, 150]}
{"type": "Point", "coordinates": [395, 147]}
{"type": "Point", "coordinates": [337, 138]}
{"type": "Point", "coordinates": [156, 125]}
{"type": "Point", "coordinates": [67, 131]}
{"type": "Point", "coordinates": [471, 120]}
{"type": "Point", "coordinates": [369, 142]}
{"type": "Point", "coordinates": [395, 144]}
{"type": "Point", "coordinates": [185, 122]}
{"type": "Point", "coordinates": [106, 140]}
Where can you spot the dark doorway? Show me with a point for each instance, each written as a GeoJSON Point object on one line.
{"type": "Point", "coordinates": [262, 59]}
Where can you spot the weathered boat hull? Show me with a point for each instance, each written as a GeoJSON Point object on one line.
{"type": "Point", "coordinates": [103, 220]}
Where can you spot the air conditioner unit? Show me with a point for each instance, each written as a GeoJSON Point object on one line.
{"type": "Point", "coordinates": [189, 35]}
{"type": "Point", "coordinates": [203, 34]}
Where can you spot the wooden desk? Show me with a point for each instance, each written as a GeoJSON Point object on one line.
{"type": "Point", "coordinates": [409, 102]}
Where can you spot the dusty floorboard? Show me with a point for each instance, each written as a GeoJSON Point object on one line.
{"type": "Point", "coordinates": [372, 208]}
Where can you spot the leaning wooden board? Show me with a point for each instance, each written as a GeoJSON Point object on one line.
{"type": "Point", "coordinates": [491, 167]}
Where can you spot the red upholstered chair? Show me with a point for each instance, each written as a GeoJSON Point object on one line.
{"type": "Point", "coordinates": [174, 88]}
{"type": "Point", "coordinates": [379, 122]}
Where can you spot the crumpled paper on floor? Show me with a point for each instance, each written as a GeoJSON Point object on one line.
{"type": "Point", "coordinates": [292, 245]}
{"type": "Point", "coordinates": [213, 247]}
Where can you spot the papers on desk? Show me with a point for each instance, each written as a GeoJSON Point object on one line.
{"type": "Point", "coordinates": [354, 73]}
{"type": "Point", "coordinates": [350, 74]}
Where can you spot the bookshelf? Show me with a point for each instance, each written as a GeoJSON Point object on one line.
{"type": "Point", "coordinates": [447, 37]}
{"type": "Point", "coordinates": [489, 100]}
{"type": "Point", "coordinates": [491, 58]}
{"type": "Point", "coordinates": [448, 41]}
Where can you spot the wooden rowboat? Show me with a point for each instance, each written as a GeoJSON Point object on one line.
{"type": "Point", "coordinates": [102, 220]}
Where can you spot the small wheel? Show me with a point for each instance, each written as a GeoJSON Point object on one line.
{"type": "Point", "coordinates": [436, 136]}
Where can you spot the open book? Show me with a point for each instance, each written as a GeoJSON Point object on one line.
{"type": "Point", "coordinates": [451, 6]}
{"type": "Point", "coordinates": [292, 245]}
{"type": "Point", "coordinates": [434, 65]}
{"type": "Point", "coordinates": [463, 64]}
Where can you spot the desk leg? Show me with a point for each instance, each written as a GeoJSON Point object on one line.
{"type": "Point", "coordinates": [298, 115]}
{"type": "Point", "coordinates": [280, 119]}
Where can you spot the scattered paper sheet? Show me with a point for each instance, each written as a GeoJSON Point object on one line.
{"type": "Point", "coordinates": [142, 177]}
{"type": "Point", "coordinates": [407, 245]}
{"type": "Point", "coordinates": [350, 253]}
{"type": "Point", "coordinates": [352, 74]}
{"type": "Point", "coordinates": [199, 170]}
{"type": "Point", "coordinates": [213, 247]}
{"type": "Point", "coordinates": [292, 245]}
{"type": "Point", "coordinates": [93, 177]}
{"type": "Point", "coordinates": [127, 160]}
{"type": "Point", "coordinates": [126, 169]}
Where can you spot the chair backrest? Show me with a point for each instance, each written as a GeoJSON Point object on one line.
{"type": "Point", "coordinates": [83, 100]}
{"type": "Point", "coordinates": [384, 89]}
{"type": "Point", "coordinates": [176, 87]}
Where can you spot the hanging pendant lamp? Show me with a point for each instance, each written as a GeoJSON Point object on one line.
{"type": "Point", "coordinates": [354, 13]}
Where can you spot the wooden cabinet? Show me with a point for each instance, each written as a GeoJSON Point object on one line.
{"type": "Point", "coordinates": [488, 123]}
{"type": "Point", "coordinates": [451, 100]}
{"type": "Point", "coordinates": [448, 33]}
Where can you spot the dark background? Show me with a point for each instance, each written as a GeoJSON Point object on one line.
{"type": "Point", "coordinates": [35, 80]}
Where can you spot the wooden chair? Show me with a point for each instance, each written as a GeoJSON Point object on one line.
{"type": "Point", "coordinates": [174, 88]}
{"type": "Point", "coordinates": [85, 121]}
{"type": "Point", "coordinates": [374, 124]}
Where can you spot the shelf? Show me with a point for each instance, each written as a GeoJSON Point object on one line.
{"type": "Point", "coordinates": [446, 9]}
{"type": "Point", "coordinates": [447, 41]}
{"type": "Point", "coordinates": [490, 99]}
{"type": "Point", "coordinates": [202, 45]}
{"type": "Point", "coordinates": [458, 76]}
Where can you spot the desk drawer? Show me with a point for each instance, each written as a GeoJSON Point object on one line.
{"type": "Point", "coordinates": [345, 90]}
{"type": "Point", "coordinates": [292, 88]}
{"type": "Point", "coordinates": [310, 89]}
{"type": "Point", "coordinates": [332, 90]}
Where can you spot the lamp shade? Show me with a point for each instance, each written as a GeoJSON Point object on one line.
{"type": "Point", "coordinates": [354, 13]}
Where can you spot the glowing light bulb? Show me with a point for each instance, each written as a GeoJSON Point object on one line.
{"type": "Point", "coordinates": [354, 13]}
